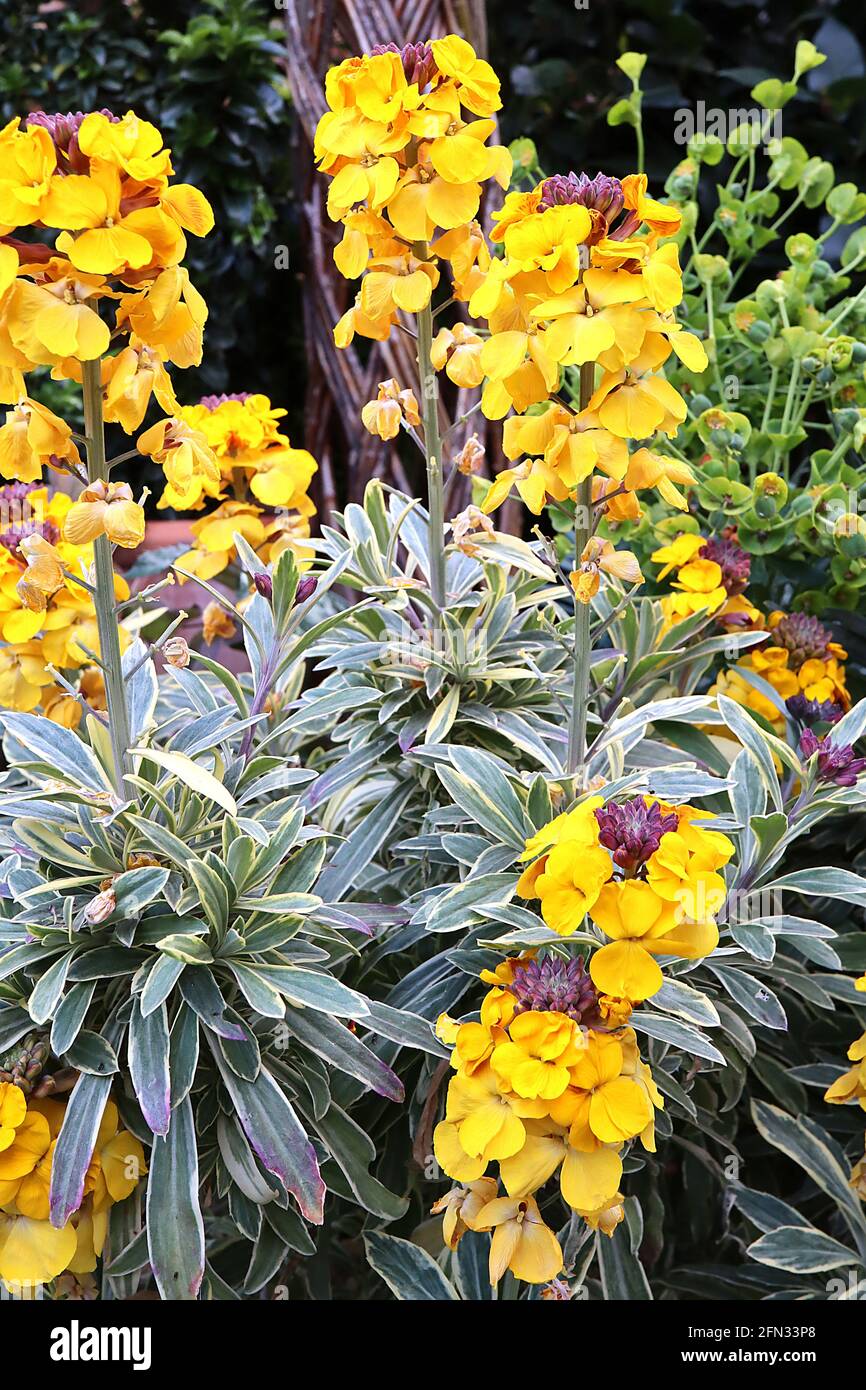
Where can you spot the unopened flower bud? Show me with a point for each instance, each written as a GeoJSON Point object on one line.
{"type": "Point", "coordinates": [471, 456]}
{"type": "Point", "coordinates": [100, 908]}
{"type": "Point", "coordinates": [176, 652]}
{"type": "Point", "coordinates": [264, 585]}
{"type": "Point", "coordinates": [306, 588]}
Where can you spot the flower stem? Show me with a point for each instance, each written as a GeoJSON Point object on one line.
{"type": "Point", "coordinates": [433, 455]}
{"type": "Point", "coordinates": [103, 598]}
{"type": "Point", "coordinates": [582, 611]}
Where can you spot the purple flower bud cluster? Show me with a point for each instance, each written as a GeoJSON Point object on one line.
{"type": "Point", "coordinates": [803, 636]}
{"type": "Point", "coordinates": [212, 402]}
{"type": "Point", "coordinates": [63, 129]}
{"type": "Point", "coordinates": [809, 712]}
{"type": "Point", "coordinates": [562, 986]}
{"type": "Point", "coordinates": [11, 493]}
{"type": "Point", "coordinates": [734, 563]}
{"type": "Point", "coordinates": [836, 762]}
{"type": "Point", "coordinates": [264, 585]}
{"type": "Point", "coordinates": [12, 537]}
{"type": "Point", "coordinates": [419, 65]}
{"type": "Point", "coordinates": [633, 831]}
{"type": "Point", "coordinates": [602, 194]}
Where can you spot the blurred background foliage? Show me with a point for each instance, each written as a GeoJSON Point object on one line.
{"type": "Point", "coordinates": [560, 88]}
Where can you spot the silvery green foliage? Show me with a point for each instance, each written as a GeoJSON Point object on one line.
{"type": "Point", "coordinates": [435, 802]}
{"type": "Point", "coordinates": [396, 694]}
{"type": "Point", "coordinates": [823, 1266]}
{"type": "Point", "coordinates": [201, 985]}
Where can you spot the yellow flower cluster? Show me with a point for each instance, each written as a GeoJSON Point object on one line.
{"type": "Point", "coordinates": [850, 1088]}
{"type": "Point", "coordinates": [47, 618]}
{"type": "Point", "coordinates": [711, 575]}
{"type": "Point", "coordinates": [252, 462]}
{"type": "Point", "coordinates": [586, 279]}
{"type": "Point", "coordinates": [405, 144]}
{"type": "Point", "coordinates": [545, 1083]}
{"type": "Point", "coordinates": [108, 276]}
{"type": "Point", "coordinates": [647, 875]}
{"type": "Point", "coordinates": [32, 1251]}
{"type": "Point", "coordinates": [800, 660]}
{"type": "Point", "coordinates": [550, 1077]}
{"type": "Point", "coordinates": [104, 184]}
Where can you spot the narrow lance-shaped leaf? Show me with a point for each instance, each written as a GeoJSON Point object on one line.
{"type": "Point", "coordinates": [175, 1229]}
{"type": "Point", "coordinates": [410, 1273]}
{"type": "Point", "coordinates": [277, 1137]}
{"type": "Point", "coordinates": [75, 1145]}
{"type": "Point", "coordinates": [149, 1066]}
{"type": "Point", "coordinates": [334, 1042]}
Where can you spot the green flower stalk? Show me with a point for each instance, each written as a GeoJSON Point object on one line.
{"type": "Point", "coordinates": [104, 602]}
{"type": "Point", "coordinates": [433, 456]}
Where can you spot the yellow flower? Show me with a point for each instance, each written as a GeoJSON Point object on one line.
{"type": "Point", "coordinates": [53, 320]}
{"type": "Point", "coordinates": [458, 350]}
{"type": "Point", "coordinates": [468, 254]}
{"type": "Point", "coordinates": [397, 282]}
{"type": "Point", "coordinates": [43, 575]}
{"type": "Point", "coordinates": [23, 676]}
{"type": "Point", "coordinates": [386, 413]}
{"type": "Point", "coordinates": [281, 478]}
{"type": "Point", "coordinates": [356, 320]}
{"type": "Point", "coordinates": [596, 320]}
{"type": "Point", "coordinates": [108, 509]}
{"type": "Point", "coordinates": [619, 1108]}
{"type": "Point", "coordinates": [480, 1124]}
{"type": "Point", "coordinates": [572, 445]}
{"type": "Point", "coordinates": [534, 1063]}
{"type": "Point", "coordinates": [521, 1241]}
{"type": "Point", "coordinates": [118, 1158]}
{"type": "Point", "coordinates": [536, 484]}
{"type": "Point", "coordinates": [288, 531]}
{"type": "Point", "coordinates": [475, 79]}
{"type": "Point", "coordinates": [31, 437]}
{"type": "Point", "coordinates": [600, 555]}
{"type": "Point", "coordinates": [606, 1218]}
{"type": "Point", "coordinates": [647, 469]}
{"type": "Point", "coordinates": [589, 1172]}
{"type": "Point", "coordinates": [214, 538]}
{"type": "Point", "coordinates": [461, 1207]}
{"type": "Point", "coordinates": [190, 466]}
{"type": "Point", "coordinates": [108, 245]}
{"type": "Point", "coordinates": [33, 1252]}
{"type": "Point", "coordinates": [549, 241]}
{"type": "Point", "coordinates": [850, 1087]}
{"type": "Point", "coordinates": [168, 316]}
{"type": "Point", "coordinates": [24, 1139]}
{"type": "Point", "coordinates": [131, 144]}
{"type": "Point", "coordinates": [28, 160]}
{"type": "Point", "coordinates": [628, 912]}
{"type": "Point", "coordinates": [31, 1199]}
{"type": "Point", "coordinates": [569, 885]}
{"type": "Point", "coordinates": [217, 624]}
{"type": "Point", "coordinates": [635, 406]}
{"type": "Point", "coordinates": [129, 379]}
